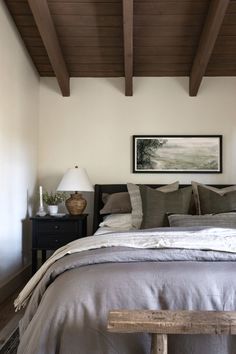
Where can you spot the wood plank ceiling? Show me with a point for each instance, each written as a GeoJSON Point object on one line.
{"type": "Point", "coordinates": [115, 38]}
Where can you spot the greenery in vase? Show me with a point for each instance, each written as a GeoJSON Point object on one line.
{"type": "Point", "coordinates": [53, 198]}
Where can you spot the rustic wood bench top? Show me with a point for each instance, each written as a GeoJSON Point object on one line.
{"type": "Point", "coordinates": [172, 322]}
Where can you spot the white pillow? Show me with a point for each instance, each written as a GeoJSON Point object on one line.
{"type": "Point", "coordinates": [123, 221]}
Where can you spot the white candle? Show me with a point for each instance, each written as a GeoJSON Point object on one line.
{"type": "Point", "coordinates": [41, 197]}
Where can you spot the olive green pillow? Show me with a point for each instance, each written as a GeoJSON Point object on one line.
{"type": "Point", "coordinates": [220, 191]}
{"type": "Point", "coordinates": [156, 205]}
{"type": "Point", "coordinates": [212, 202]}
{"type": "Point", "coordinates": [136, 202]}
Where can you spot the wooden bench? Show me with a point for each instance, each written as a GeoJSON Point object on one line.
{"type": "Point", "coordinates": [162, 323]}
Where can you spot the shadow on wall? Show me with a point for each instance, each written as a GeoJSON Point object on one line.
{"type": "Point", "coordinates": [50, 183]}
{"type": "Point", "coordinates": [183, 83]}
{"type": "Point", "coordinates": [26, 241]}
{"type": "Point", "coordinates": [26, 228]}
{"type": "Point", "coordinates": [116, 83]}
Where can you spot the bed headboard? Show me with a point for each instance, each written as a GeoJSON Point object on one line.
{"type": "Point", "coordinates": [116, 188]}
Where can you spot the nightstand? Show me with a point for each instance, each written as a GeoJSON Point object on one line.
{"type": "Point", "coordinates": [50, 233]}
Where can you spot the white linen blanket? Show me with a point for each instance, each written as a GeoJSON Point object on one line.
{"type": "Point", "coordinates": [215, 239]}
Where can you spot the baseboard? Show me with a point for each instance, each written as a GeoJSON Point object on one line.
{"type": "Point", "coordinates": [14, 283]}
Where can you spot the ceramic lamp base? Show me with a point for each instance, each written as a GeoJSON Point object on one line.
{"type": "Point", "coordinates": [76, 204]}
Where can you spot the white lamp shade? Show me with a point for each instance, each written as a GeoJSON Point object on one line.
{"type": "Point", "coordinates": [75, 180]}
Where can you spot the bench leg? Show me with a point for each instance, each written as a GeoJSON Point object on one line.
{"type": "Point", "coordinates": [159, 344]}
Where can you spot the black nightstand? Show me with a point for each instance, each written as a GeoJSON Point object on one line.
{"type": "Point", "coordinates": [50, 233]}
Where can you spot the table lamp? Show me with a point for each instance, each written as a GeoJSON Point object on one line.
{"type": "Point", "coordinates": [75, 179]}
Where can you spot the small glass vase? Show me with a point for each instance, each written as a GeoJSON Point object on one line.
{"type": "Point", "coordinates": [52, 209]}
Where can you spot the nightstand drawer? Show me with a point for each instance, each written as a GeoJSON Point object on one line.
{"type": "Point", "coordinates": [57, 227]}
{"type": "Point", "coordinates": [51, 233]}
{"type": "Point", "coordinates": [53, 242]}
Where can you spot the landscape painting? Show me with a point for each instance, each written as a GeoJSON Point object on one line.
{"type": "Point", "coordinates": [177, 154]}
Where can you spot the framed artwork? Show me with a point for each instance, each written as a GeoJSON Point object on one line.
{"type": "Point", "coordinates": [177, 153]}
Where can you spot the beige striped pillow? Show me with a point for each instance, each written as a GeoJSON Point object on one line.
{"type": "Point", "coordinates": [227, 220]}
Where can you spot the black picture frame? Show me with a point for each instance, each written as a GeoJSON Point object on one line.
{"type": "Point", "coordinates": [207, 157]}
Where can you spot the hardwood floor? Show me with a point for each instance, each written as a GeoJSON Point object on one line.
{"type": "Point", "coordinates": [7, 310]}
{"type": "Point", "coordinates": [8, 317]}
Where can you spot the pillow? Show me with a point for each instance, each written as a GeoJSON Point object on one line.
{"type": "Point", "coordinates": [157, 204]}
{"type": "Point", "coordinates": [213, 202]}
{"type": "Point", "coordinates": [116, 203]}
{"type": "Point", "coordinates": [227, 220]}
{"type": "Point", "coordinates": [136, 201]}
{"type": "Point", "coordinates": [220, 191]}
{"type": "Point", "coordinates": [122, 221]}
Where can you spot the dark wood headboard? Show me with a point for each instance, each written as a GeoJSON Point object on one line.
{"type": "Point", "coordinates": [116, 188]}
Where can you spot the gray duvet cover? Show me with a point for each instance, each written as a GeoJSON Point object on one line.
{"type": "Point", "coordinates": [67, 313]}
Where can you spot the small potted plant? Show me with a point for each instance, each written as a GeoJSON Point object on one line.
{"type": "Point", "coordinates": [52, 200]}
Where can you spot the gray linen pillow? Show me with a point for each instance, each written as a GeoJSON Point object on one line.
{"type": "Point", "coordinates": [116, 203]}
{"type": "Point", "coordinates": [156, 205]}
{"type": "Point", "coordinates": [136, 201]}
{"type": "Point", "coordinates": [227, 220]}
{"type": "Point", "coordinates": [213, 202]}
{"type": "Point", "coordinates": [220, 191]}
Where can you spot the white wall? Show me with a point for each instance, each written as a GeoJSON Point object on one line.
{"type": "Point", "coordinates": [93, 127]}
{"type": "Point", "coordinates": [19, 99]}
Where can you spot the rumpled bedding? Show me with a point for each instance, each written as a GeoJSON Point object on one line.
{"type": "Point", "coordinates": [216, 239]}
{"type": "Point", "coordinates": [67, 312]}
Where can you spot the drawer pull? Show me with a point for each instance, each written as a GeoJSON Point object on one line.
{"type": "Point", "coordinates": [56, 241]}
{"type": "Point", "coordinates": [56, 227]}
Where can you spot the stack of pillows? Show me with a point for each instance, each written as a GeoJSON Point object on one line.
{"type": "Point", "coordinates": [143, 207]}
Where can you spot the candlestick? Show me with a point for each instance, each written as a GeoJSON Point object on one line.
{"type": "Point", "coordinates": [41, 211]}
{"type": "Point", "coordinates": [40, 197]}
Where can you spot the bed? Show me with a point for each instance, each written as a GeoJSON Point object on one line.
{"type": "Point", "coordinates": [67, 309]}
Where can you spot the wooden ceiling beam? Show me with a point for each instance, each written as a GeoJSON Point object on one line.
{"type": "Point", "coordinates": [210, 32]}
{"type": "Point", "coordinates": [44, 22]}
{"type": "Point", "coordinates": [128, 20]}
